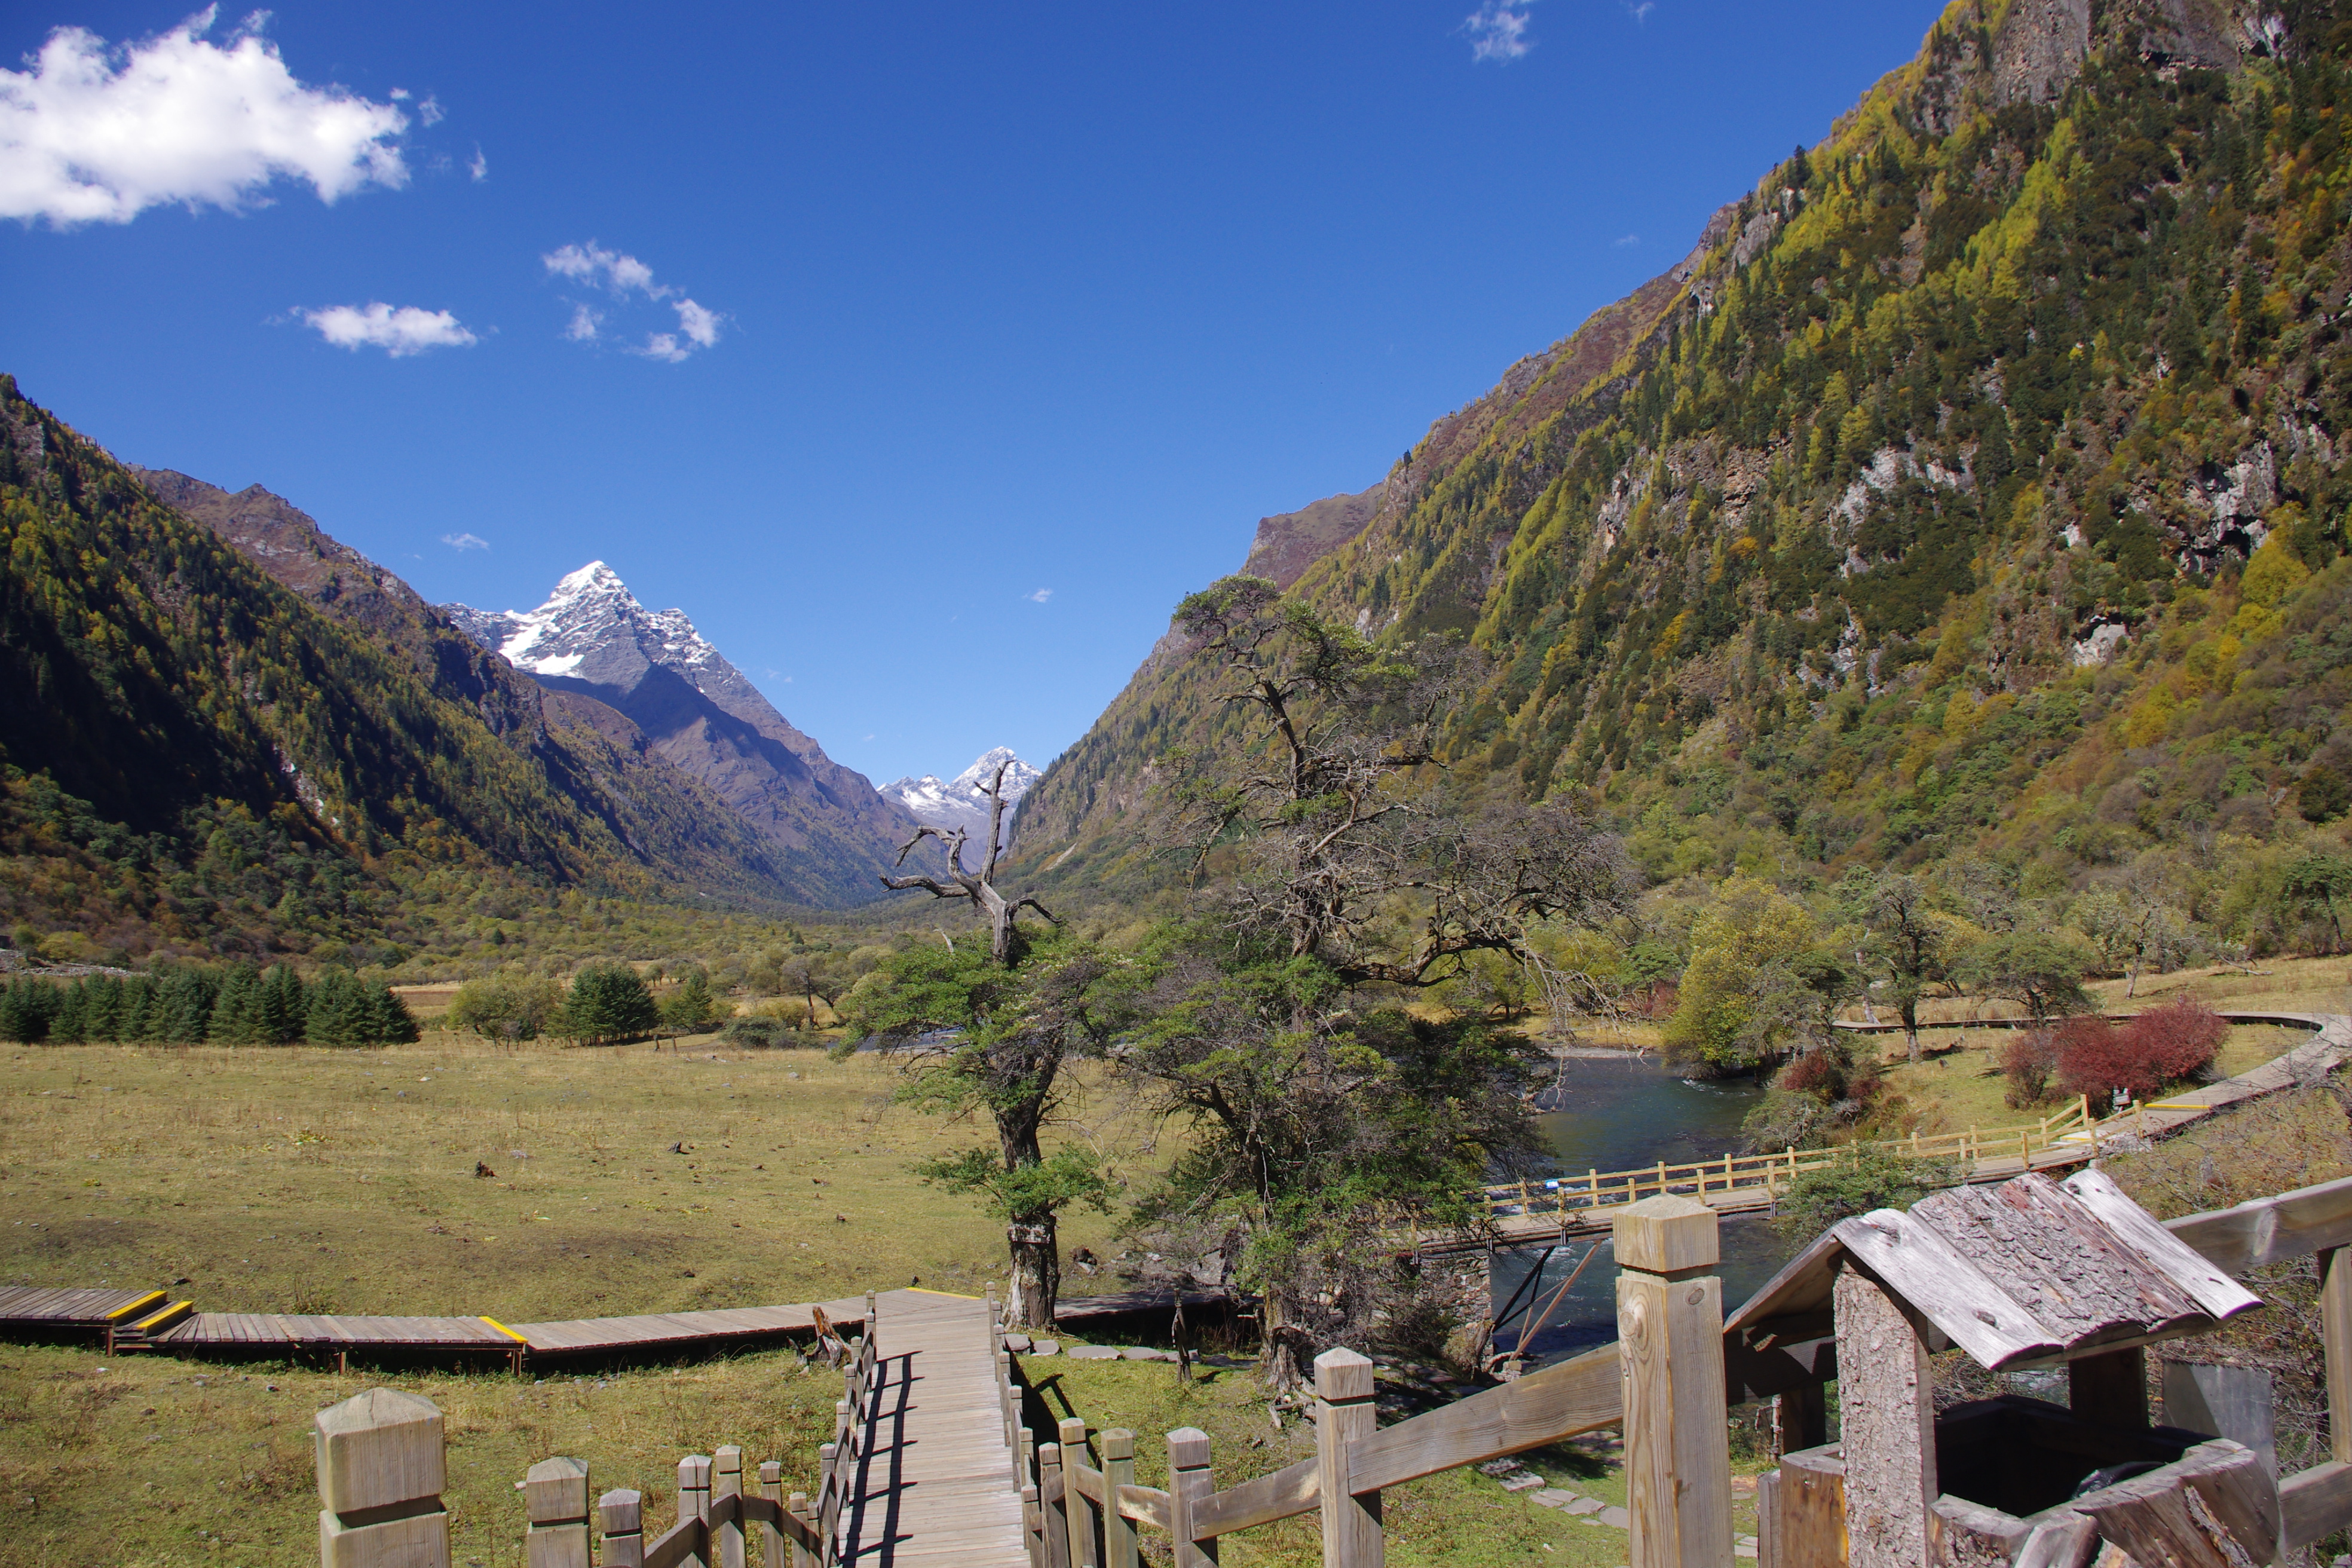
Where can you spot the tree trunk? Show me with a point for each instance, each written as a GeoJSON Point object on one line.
{"type": "Point", "coordinates": [1911, 1029]}
{"type": "Point", "coordinates": [1036, 1270]}
{"type": "Point", "coordinates": [2131, 979]}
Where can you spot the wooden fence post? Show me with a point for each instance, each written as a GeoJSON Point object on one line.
{"type": "Point", "coordinates": [1032, 1529]}
{"type": "Point", "coordinates": [1887, 1407]}
{"type": "Point", "coordinates": [1053, 1505]}
{"type": "Point", "coordinates": [2335, 1348]}
{"type": "Point", "coordinates": [1343, 1413]}
{"type": "Point", "coordinates": [1119, 1470]}
{"type": "Point", "coordinates": [1078, 1508]}
{"type": "Point", "coordinates": [771, 1538]}
{"type": "Point", "coordinates": [555, 1496]}
{"type": "Point", "coordinates": [798, 1503]}
{"type": "Point", "coordinates": [726, 1481]}
{"type": "Point", "coordinates": [381, 1473]}
{"type": "Point", "coordinates": [1188, 1484]}
{"type": "Point", "coordinates": [1670, 1332]}
{"type": "Point", "coordinates": [622, 1514]}
{"type": "Point", "coordinates": [694, 1500]}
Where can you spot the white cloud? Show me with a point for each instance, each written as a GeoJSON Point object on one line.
{"type": "Point", "coordinates": [399, 332]}
{"type": "Point", "coordinates": [432, 113]}
{"type": "Point", "coordinates": [1498, 30]}
{"type": "Point", "coordinates": [1627, 239]}
{"type": "Point", "coordinates": [465, 541]}
{"type": "Point", "coordinates": [1641, 13]}
{"type": "Point", "coordinates": [698, 323]}
{"type": "Point", "coordinates": [622, 276]}
{"type": "Point", "coordinates": [1040, 596]}
{"type": "Point", "coordinates": [481, 167]}
{"type": "Point", "coordinates": [89, 134]}
{"type": "Point", "coordinates": [592, 263]}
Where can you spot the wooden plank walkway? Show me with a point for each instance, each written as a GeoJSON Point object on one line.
{"type": "Point", "coordinates": [935, 1484]}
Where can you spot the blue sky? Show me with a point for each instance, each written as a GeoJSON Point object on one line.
{"type": "Point", "coordinates": [962, 340]}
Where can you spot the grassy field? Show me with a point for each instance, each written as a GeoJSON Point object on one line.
{"type": "Point", "coordinates": [623, 1180]}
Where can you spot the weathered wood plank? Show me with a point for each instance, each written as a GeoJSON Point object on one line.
{"type": "Point", "coordinates": [1145, 1505]}
{"type": "Point", "coordinates": [2316, 1503]}
{"type": "Point", "coordinates": [1582, 1395]}
{"type": "Point", "coordinates": [2271, 1230]}
{"type": "Point", "coordinates": [1812, 1532]}
{"type": "Point", "coordinates": [1282, 1494]}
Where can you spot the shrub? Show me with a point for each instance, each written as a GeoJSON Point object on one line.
{"type": "Point", "coordinates": [2140, 1057]}
{"type": "Point", "coordinates": [1868, 1177]}
{"type": "Point", "coordinates": [505, 1009]}
{"type": "Point", "coordinates": [2029, 1059]}
{"type": "Point", "coordinates": [757, 1033]}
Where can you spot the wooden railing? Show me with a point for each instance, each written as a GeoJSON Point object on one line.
{"type": "Point", "coordinates": [1765, 1176]}
{"type": "Point", "coordinates": [382, 1467]}
{"type": "Point", "coordinates": [1077, 1516]}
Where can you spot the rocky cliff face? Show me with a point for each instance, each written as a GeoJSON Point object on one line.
{"type": "Point", "coordinates": [700, 715]}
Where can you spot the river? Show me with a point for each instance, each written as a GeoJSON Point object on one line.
{"type": "Point", "coordinates": [1613, 1114]}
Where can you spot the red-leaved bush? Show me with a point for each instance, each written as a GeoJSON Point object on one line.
{"type": "Point", "coordinates": [2028, 1058]}
{"type": "Point", "coordinates": [2161, 1045]}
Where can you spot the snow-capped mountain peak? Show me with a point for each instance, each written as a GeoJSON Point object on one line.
{"type": "Point", "coordinates": [963, 801]}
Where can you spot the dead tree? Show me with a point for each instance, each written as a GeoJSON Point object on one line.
{"type": "Point", "coordinates": [980, 887]}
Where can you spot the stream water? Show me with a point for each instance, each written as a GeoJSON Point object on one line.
{"type": "Point", "coordinates": [1612, 1114]}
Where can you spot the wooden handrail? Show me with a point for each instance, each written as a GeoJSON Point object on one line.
{"type": "Point", "coordinates": [1579, 1395]}
{"type": "Point", "coordinates": [1278, 1495]}
{"type": "Point", "coordinates": [2271, 1230]}
{"type": "Point", "coordinates": [1145, 1505]}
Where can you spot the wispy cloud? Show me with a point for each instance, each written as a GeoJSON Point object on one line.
{"type": "Point", "coordinates": [1640, 12]}
{"type": "Point", "coordinates": [96, 135]}
{"type": "Point", "coordinates": [465, 541]}
{"type": "Point", "coordinates": [479, 167]}
{"type": "Point", "coordinates": [1624, 239]}
{"type": "Point", "coordinates": [622, 276]}
{"type": "Point", "coordinates": [1040, 596]}
{"type": "Point", "coordinates": [399, 332]}
{"type": "Point", "coordinates": [1498, 30]}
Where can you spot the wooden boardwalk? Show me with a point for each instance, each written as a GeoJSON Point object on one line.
{"type": "Point", "coordinates": [935, 1483]}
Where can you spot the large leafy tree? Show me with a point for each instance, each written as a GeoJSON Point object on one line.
{"type": "Point", "coordinates": [994, 1039]}
{"type": "Point", "coordinates": [1341, 873]}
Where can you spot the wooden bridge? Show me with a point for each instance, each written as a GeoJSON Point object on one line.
{"type": "Point", "coordinates": [1570, 1208]}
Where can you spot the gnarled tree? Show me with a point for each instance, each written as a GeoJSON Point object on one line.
{"type": "Point", "coordinates": [1345, 874]}
{"type": "Point", "coordinates": [993, 1033]}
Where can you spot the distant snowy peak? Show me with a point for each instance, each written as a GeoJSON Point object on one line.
{"type": "Point", "coordinates": [963, 801]}
{"type": "Point", "coordinates": [591, 612]}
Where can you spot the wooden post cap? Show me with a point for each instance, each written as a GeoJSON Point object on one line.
{"type": "Point", "coordinates": [1118, 1443]}
{"type": "Point", "coordinates": [555, 1491]}
{"type": "Point", "coordinates": [1666, 1234]}
{"type": "Point", "coordinates": [1342, 1373]}
{"type": "Point", "coordinates": [623, 1510]}
{"type": "Point", "coordinates": [1188, 1450]}
{"type": "Point", "coordinates": [377, 1448]}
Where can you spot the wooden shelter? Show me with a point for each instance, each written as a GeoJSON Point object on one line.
{"type": "Point", "coordinates": [2027, 1274]}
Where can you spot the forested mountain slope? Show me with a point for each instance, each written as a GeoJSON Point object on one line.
{"type": "Point", "coordinates": [1974, 494]}
{"type": "Point", "coordinates": [666, 820]}
{"type": "Point", "coordinates": [198, 760]}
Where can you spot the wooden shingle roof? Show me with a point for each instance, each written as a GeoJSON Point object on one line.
{"type": "Point", "coordinates": [2026, 1273]}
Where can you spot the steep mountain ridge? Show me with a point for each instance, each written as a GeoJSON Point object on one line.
{"type": "Point", "coordinates": [667, 821]}
{"type": "Point", "coordinates": [1964, 494]}
{"type": "Point", "coordinates": [181, 725]}
{"type": "Point", "coordinates": [832, 830]}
